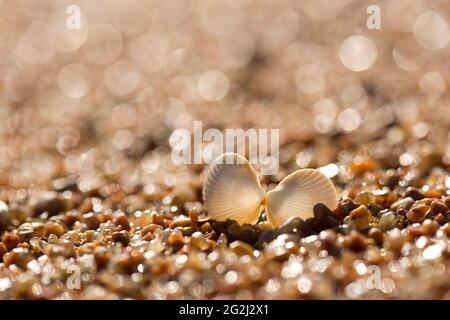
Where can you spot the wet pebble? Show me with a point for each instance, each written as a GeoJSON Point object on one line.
{"type": "Point", "coordinates": [50, 202]}
{"type": "Point", "coordinates": [405, 203]}
{"type": "Point", "coordinates": [438, 207]}
{"type": "Point", "coordinates": [387, 221]}
{"type": "Point", "coordinates": [122, 220]}
{"type": "Point", "coordinates": [10, 240]}
{"type": "Point", "coordinates": [414, 193]}
{"type": "Point", "coordinates": [417, 214]}
{"type": "Point", "coordinates": [295, 226]}
{"type": "Point", "coordinates": [324, 218]}
{"type": "Point", "coordinates": [92, 220]}
{"type": "Point", "coordinates": [265, 237]}
{"type": "Point", "coordinates": [359, 217]}
{"type": "Point", "coordinates": [121, 236]}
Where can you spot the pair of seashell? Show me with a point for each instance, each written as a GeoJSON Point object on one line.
{"type": "Point", "coordinates": [232, 190]}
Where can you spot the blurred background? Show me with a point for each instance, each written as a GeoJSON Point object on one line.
{"type": "Point", "coordinates": [99, 103]}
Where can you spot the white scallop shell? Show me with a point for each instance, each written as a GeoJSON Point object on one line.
{"type": "Point", "coordinates": [296, 195]}
{"type": "Point", "coordinates": [232, 190]}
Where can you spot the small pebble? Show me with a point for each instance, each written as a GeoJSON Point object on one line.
{"type": "Point", "coordinates": [414, 193]}
{"type": "Point", "coordinates": [3, 249]}
{"type": "Point", "coordinates": [10, 240]}
{"type": "Point", "coordinates": [417, 214]}
{"type": "Point", "coordinates": [241, 248]}
{"type": "Point", "coordinates": [295, 226]}
{"type": "Point", "coordinates": [387, 221]}
{"type": "Point", "coordinates": [405, 203]}
{"type": "Point", "coordinates": [440, 218]}
{"type": "Point", "coordinates": [359, 217]}
{"type": "Point", "coordinates": [430, 227]}
{"type": "Point", "coordinates": [439, 207]}
{"type": "Point", "coordinates": [354, 241]}
{"type": "Point", "coordinates": [265, 237]}
{"type": "Point", "coordinates": [376, 234]}
{"type": "Point", "coordinates": [324, 218]}
{"type": "Point", "coordinates": [92, 220]}
{"type": "Point", "coordinates": [122, 237]}
{"type": "Point", "coordinates": [122, 220]}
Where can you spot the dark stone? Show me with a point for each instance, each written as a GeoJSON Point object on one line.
{"type": "Point", "coordinates": [414, 193]}
{"type": "Point", "coordinates": [324, 218]}
{"type": "Point", "coordinates": [296, 226]}
{"type": "Point", "coordinates": [265, 237]}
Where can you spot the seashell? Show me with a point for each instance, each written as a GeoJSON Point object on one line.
{"type": "Point", "coordinates": [296, 195]}
{"type": "Point", "coordinates": [232, 190]}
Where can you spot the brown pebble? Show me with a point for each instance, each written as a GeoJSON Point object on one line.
{"type": "Point", "coordinates": [148, 237]}
{"type": "Point", "coordinates": [359, 217]}
{"type": "Point", "coordinates": [415, 231]}
{"type": "Point", "coordinates": [430, 227]}
{"type": "Point", "coordinates": [359, 167]}
{"type": "Point", "coordinates": [136, 257]}
{"type": "Point", "coordinates": [3, 249]}
{"type": "Point", "coordinates": [180, 223]}
{"type": "Point", "coordinates": [354, 241]}
{"type": "Point", "coordinates": [10, 240]}
{"type": "Point", "coordinates": [447, 201]}
{"type": "Point", "coordinates": [102, 257]}
{"type": "Point", "coordinates": [206, 227]}
{"type": "Point", "coordinates": [122, 220]}
{"type": "Point", "coordinates": [417, 214]}
{"type": "Point", "coordinates": [345, 207]}
{"type": "Point", "coordinates": [92, 220]}
{"type": "Point", "coordinates": [241, 248]}
{"type": "Point", "coordinates": [405, 204]}
{"type": "Point", "coordinates": [167, 223]}
{"type": "Point", "coordinates": [48, 201]}
{"type": "Point", "coordinates": [248, 235]}
{"type": "Point", "coordinates": [365, 198]}
{"type": "Point", "coordinates": [175, 238]}
{"type": "Point", "coordinates": [233, 231]}
{"type": "Point", "coordinates": [121, 236]}
{"type": "Point", "coordinates": [329, 240]}
{"type": "Point", "coordinates": [157, 219]}
{"type": "Point", "coordinates": [86, 206]}
{"type": "Point", "coordinates": [376, 234]}
{"type": "Point", "coordinates": [446, 229]}
{"type": "Point", "coordinates": [440, 218]}
{"type": "Point", "coordinates": [374, 208]}
{"type": "Point", "coordinates": [70, 217]}
{"type": "Point", "coordinates": [414, 193]}
{"type": "Point", "coordinates": [187, 231]}
{"type": "Point", "coordinates": [432, 194]}
{"type": "Point", "coordinates": [18, 256]}
{"type": "Point", "coordinates": [107, 216]}
{"type": "Point", "coordinates": [29, 230]}
{"type": "Point", "coordinates": [199, 241]}
{"type": "Point", "coordinates": [9, 258]}
{"type": "Point", "coordinates": [54, 228]}
{"type": "Point", "coordinates": [324, 218]}
{"type": "Point", "coordinates": [193, 216]}
{"type": "Point", "coordinates": [149, 229]}
{"type": "Point", "coordinates": [439, 207]}
{"type": "Point", "coordinates": [391, 180]}
{"type": "Point", "coordinates": [296, 226]}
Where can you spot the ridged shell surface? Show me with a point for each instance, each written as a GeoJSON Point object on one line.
{"type": "Point", "coordinates": [296, 195]}
{"type": "Point", "coordinates": [231, 189]}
